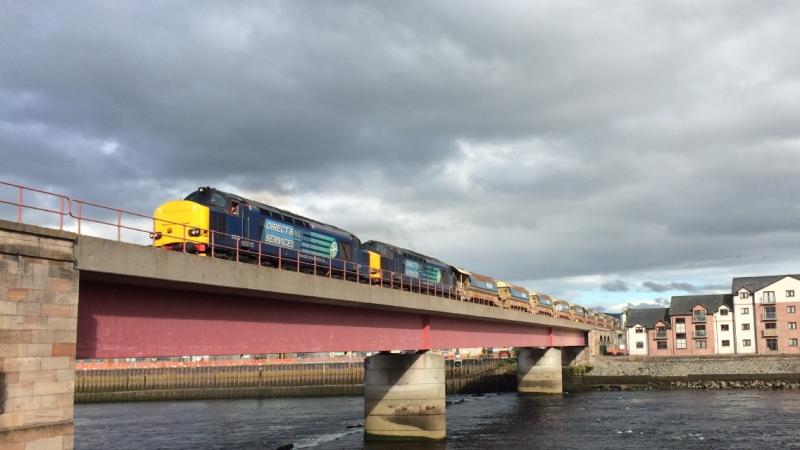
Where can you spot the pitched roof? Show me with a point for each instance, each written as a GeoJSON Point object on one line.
{"type": "Point", "coordinates": [683, 304]}
{"type": "Point", "coordinates": [647, 317]}
{"type": "Point", "coordinates": [753, 284]}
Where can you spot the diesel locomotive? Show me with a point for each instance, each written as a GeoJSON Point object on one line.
{"type": "Point", "coordinates": [213, 223]}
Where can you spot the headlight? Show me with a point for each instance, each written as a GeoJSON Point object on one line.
{"type": "Point", "coordinates": [194, 232]}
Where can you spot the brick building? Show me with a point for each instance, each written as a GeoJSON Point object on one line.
{"type": "Point", "coordinates": [759, 316]}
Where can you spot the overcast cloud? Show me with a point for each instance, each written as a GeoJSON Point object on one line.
{"type": "Point", "coordinates": [585, 148]}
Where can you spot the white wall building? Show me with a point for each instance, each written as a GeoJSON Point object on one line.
{"type": "Point", "coordinates": [725, 331]}
{"type": "Point", "coordinates": [744, 319]}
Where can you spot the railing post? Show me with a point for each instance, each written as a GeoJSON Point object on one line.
{"type": "Point", "coordinates": [119, 224]}
{"type": "Point", "coordinates": [259, 253]}
{"type": "Point", "coordinates": [297, 258]}
{"type": "Point", "coordinates": [19, 204]}
{"type": "Point", "coordinates": [280, 258]}
{"type": "Point", "coordinates": [330, 267]}
{"type": "Point", "coordinates": [80, 215]}
{"type": "Point", "coordinates": [212, 243]}
{"type": "Point", "coordinates": [358, 273]}
{"type": "Point", "coordinates": [61, 213]}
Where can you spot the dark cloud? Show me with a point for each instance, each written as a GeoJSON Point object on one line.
{"type": "Point", "coordinates": [682, 286]}
{"type": "Point", "coordinates": [616, 286]}
{"type": "Point", "coordinates": [526, 141]}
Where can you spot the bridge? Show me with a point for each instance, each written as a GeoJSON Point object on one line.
{"type": "Point", "coordinates": [67, 295]}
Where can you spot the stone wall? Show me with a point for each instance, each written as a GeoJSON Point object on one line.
{"type": "Point", "coordinates": [682, 367]}
{"type": "Point", "coordinates": [38, 323]}
{"type": "Point", "coordinates": [697, 372]}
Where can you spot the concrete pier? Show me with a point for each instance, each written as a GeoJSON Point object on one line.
{"type": "Point", "coordinates": [404, 397]}
{"type": "Point", "coordinates": [539, 371]}
{"type": "Point", "coordinates": [38, 323]}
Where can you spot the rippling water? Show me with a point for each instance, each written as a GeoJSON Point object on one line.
{"type": "Point", "coordinates": [598, 420]}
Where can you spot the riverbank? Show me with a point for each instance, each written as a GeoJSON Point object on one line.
{"type": "Point", "coordinates": [696, 372]}
{"type": "Point", "coordinates": [268, 381]}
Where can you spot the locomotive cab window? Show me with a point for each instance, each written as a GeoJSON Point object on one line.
{"type": "Point", "coordinates": [200, 197]}
{"type": "Point", "coordinates": [234, 208]}
{"type": "Point", "coordinates": [217, 200]}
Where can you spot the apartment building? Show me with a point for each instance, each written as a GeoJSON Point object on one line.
{"type": "Point", "coordinates": [641, 328]}
{"type": "Point", "coordinates": [692, 325]}
{"type": "Point", "coordinates": [759, 316]}
{"type": "Point", "coordinates": [766, 313]}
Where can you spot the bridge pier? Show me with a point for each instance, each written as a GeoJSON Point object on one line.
{"type": "Point", "coordinates": [539, 371]}
{"type": "Point", "coordinates": [404, 397]}
{"type": "Point", "coordinates": [38, 323]}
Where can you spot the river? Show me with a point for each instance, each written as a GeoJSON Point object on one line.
{"type": "Point", "coordinates": [599, 420]}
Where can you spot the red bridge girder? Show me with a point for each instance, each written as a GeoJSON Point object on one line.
{"type": "Point", "coordinates": [118, 320]}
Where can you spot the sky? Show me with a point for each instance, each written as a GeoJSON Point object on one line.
{"type": "Point", "coordinates": [610, 153]}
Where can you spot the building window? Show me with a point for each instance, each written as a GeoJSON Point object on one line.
{"type": "Point", "coordinates": [723, 312]}
{"type": "Point", "coordinates": [680, 325]}
{"type": "Point", "coordinates": [792, 342]}
{"type": "Point", "coordinates": [745, 310]}
{"type": "Point", "coordinates": [726, 343]}
{"type": "Point", "coordinates": [661, 345]}
{"type": "Point", "coordinates": [768, 297]}
{"type": "Point", "coordinates": [745, 326]}
{"type": "Point", "coordinates": [680, 343]}
{"type": "Point", "coordinates": [743, 294]}
{"type": "Point", "coordinates": [791, 309]}
{"type": "Point", "coordinates": [699, 331]}
{"type": "Point", "coordinates": [640, 344]}
{"type": "Point", "coordinates": [792, 325]}
{"type": "Point", "coordinates": [746, 343]}
{"type": "Point", "coordinates": [700, 343]}
{"type": "Point", "coordinates": [639, 330]}
{"type": "Point", "coordinates": [771, 325]}
{"type": "Point", "coordinates": [790, 293]}
{"type": "Point", "coordinates": [724, 327]}
{"type": "Point", "coordinates": [772, 345]}
{"type": "Point", "coordinates": [770, 313]}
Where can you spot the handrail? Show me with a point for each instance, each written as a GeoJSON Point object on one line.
{"type": "Point", "coordinates": [63, 202]}
{"type": "Point", "coordinates": [252, 251]}
{"type": "Point", "coordinates": [119, 214]}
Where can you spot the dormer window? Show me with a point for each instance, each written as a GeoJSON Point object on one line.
{"type": "Point", "coordinates": [723, 312]}
{"type": "Point", "coordinates": [698, 315]}
{"type": "Point", "coordinates": [743, 294]}
{"type": "Point", "coordinates": [639, 330]}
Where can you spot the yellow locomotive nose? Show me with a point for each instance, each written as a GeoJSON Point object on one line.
{"type": "Point", "coordinates": [181, 221]}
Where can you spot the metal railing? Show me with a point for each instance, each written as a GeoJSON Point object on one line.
{"type": "Point", "coordinates": [223, 245]}
{"type": "Point", "coordinates": [698, 318]}
{"type": "Point", "coordinates": [59, 201]}
{"type": "Point", "coordinates": [661, 334]}
{"type": "Point", "coordinates": [700, 333]}
{"type": "Point", "coordinates": [770, 316]}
